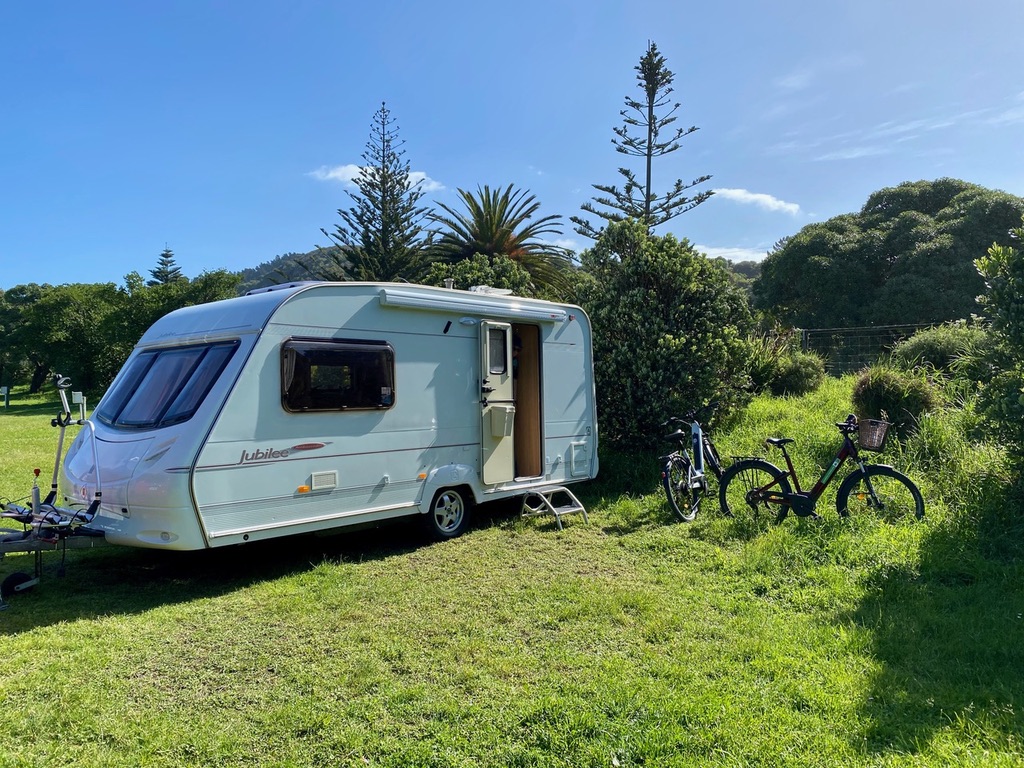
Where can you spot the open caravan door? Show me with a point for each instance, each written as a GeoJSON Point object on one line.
{"type": "Point", "coordinates": [497, 404]}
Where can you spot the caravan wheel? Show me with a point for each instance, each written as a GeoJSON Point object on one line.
{"type": "Point", "coordinates": [449, 514]}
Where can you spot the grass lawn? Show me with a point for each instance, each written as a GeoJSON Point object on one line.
{"type": "Point", "coordinates": [630, 641]}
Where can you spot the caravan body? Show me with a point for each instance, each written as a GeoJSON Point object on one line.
{"type": "Point", "coordinates": [321, 405]}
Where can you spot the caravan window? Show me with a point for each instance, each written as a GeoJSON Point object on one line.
{"type": "Point", "coordinates": [164, 386]}
{"type": "Point", "coordinates": [319, 375]}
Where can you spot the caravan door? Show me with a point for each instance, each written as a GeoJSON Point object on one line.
{"type": "Point", "coordinates": [497, 404]}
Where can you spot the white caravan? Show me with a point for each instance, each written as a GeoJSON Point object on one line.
{"type": "Point", "coordinates": [315, 406]}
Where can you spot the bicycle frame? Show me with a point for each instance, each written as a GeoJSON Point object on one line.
{"type": "Point", "coordinates": [847, 451]}
{"type": "Point", "coordinates": [802, 503]}
{"type": "Point", "coordinates": [697, 447]}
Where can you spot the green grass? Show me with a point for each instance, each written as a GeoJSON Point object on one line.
{"type": "Point", "coordinates": [631, 641]}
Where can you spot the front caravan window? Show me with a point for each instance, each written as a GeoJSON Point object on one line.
{"type": "Point", "coordinates": [335, 375]}
{"type": "Point", "coordinates": [164, 386]}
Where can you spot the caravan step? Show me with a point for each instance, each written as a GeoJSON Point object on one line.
{"type": "Point", "coordinates": [542, 502]}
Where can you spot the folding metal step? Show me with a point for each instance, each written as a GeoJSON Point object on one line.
{"type": "Point", "coordinates": [554, 500]}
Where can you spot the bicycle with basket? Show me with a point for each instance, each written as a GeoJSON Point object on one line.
{"type": "Point", "coordinates": [756, 487]}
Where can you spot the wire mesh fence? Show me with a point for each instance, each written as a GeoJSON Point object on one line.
{"type": "Point", "coordinates": [850, 349]}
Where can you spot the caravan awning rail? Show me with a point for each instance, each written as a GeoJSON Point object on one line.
{"type": "Point", "coordinates": [481, 304]}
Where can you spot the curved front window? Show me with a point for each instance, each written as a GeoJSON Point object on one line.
{"type": "Point", "coordinates": [164, 386]}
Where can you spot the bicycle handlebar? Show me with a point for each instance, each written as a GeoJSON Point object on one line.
{"type": "Point", "coordinates": [848, 426]}
{"type": "Point", "coordinates": [691, 416]}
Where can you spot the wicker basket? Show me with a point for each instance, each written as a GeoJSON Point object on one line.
{"type": "Point", "coordinates": [871, 434]}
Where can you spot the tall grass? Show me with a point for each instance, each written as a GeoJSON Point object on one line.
{"type": "Point", "coordinates": [632, 641]}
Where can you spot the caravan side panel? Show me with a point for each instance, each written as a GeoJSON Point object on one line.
{"type": "Point", "coordinates": [265, 471]}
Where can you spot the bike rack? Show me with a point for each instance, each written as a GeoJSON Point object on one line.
{"type": "Point", "coordinates": [46, 526]}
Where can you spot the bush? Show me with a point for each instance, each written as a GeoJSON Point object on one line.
{"type": "Point", "coordinates": [766, 350]}
{"type": "Point", "coordinates": [798, 373]}
{"type": "Point", "coordinates": [670, 331]}
{"type": "Point", "coordinates": [1002, 393]}
{"type": "Point", "coordinates": [497, 272]}
{"type": "Point", "coordinates": [901, 397]}
{"type": "Point", "coordinates": [941, 347]}
{"type": "Point", "coordinates": [776, 365]}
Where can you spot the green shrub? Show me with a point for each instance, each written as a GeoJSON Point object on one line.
{"type": "Point", "coordinates": [670, 331]}
{"type": "Point", "coordinates": [901, 397]}
{"type": "Point", "coordinates": [775, 364]}
{"type": "Point", "coordinates": [941, 347]}
{"type": "Point", "coordinates": [1002, 392]}
{"type": "Point", "coordinates": [798, 373]}
{"type": "Point", "coordinates": [766, 350]}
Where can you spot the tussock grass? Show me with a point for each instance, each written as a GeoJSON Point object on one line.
{"type": "Point", "coordinates": [631, 641]}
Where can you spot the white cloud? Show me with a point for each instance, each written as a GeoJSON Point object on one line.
{"type": "Point", "coordinates": [569, 243]}
{"type": "Point", "coordinates": [346, 173]}
{"type": "Point", "coordinates": [349, 173]}
{"type": "Point", "coordinates": [854, 153]}
{"type": "Point", "coordinates": [733, 254]}
{"type": "Point", "coordinates": [760, 199]}
{"type": "Point", "coordinates": [1010, 116]}
{"type": "Point", "coordinates": [795, 81]}
{"type": "Point", "coordinates": [428, 184]}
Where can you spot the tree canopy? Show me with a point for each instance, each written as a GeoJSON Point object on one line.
{"type": "Point", "coordinates": [501, 223]}
{"type": "Point", "coordinates": [166, 271]}
{"type": "Point", "coordinates": [87, 330]}
{"type": "Point", "coordinates": [381, 236]}
{"type": "Point", "coordinates": [906, 257]}
{"type": "Point", "coordinates": [642, 135]}
{"type": "Point", "coordinates": [670, 330]}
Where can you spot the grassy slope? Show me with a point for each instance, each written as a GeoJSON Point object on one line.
{"type": "Point", "coordinates": [629, 641]}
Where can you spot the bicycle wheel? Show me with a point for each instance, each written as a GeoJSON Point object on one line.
{"type": "Point", "coordinates": [677, 478]}
{"type": "Point", "coordinates": [738, 494]}
{"type": "Point", "coordinates": [882, 491]}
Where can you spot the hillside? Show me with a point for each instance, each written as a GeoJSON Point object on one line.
{"type": "Point", "coordinates": [317, 264]}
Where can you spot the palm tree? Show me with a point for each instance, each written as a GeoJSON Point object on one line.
{"type": "Point", "coordinates": [499, 223]}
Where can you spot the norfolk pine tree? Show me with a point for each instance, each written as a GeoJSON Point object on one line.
{"type": "Point", "coordinates": [381, 237]}
{"type": "Point", "coordinates": [167, 271]}
{"type": "Point", "coordinates": [637, 200]}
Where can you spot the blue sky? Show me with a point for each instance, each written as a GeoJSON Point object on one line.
{"type": "Point", "coordinates": [217, 128]}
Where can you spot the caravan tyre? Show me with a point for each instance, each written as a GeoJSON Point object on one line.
{"type": "Point", "coordinates": [449, 514]}
{"type": "Point", "coordinates": [11, 583]}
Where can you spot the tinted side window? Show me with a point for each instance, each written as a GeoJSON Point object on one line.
{"type": "Point", "coordinates": [339, 375]}
{"type": "Point", "coordinates": [165, 386]}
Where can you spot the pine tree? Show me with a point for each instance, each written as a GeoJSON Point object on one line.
{"type": "Point", "coordinates": [637, 200]}
{"type": "Point", "coordinates": [167, 271]}
{"type": "Point", "coordinates": [381, 237]}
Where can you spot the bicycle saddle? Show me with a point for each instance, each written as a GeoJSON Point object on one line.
{"type": "Point", "coordinates": [778, 442]}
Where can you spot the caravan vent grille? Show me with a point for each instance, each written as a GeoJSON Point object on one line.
{"type": "Point", "coordinates": [323, 480]}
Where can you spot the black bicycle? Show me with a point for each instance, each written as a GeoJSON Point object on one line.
{"type": "Point", "coordinates": [684, 473]}
{"type": "Point", "coordinates": [757, 487]}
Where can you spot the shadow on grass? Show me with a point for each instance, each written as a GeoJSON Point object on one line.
{"type": "Point", "coordinates": [35, 410]}
{"type": "Point", "coordinates": [948, 638]}
{"type": "Point", "coordinates": [113, 580]}
{"type": "Point", "coordinates": [622, 474]}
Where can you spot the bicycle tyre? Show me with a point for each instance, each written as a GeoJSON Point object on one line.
{"type": "Point", "coordinates": [677, 480]}
{"type": "Point", "coordinates": [897, 495]}
{"type": "Point", "coordinates": [737, 483]}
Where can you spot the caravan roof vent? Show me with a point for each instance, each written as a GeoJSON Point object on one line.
{"type": "Point", "coordinates": [280, 287]}
{"type": "Point", "coordinates": [490, 291]}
